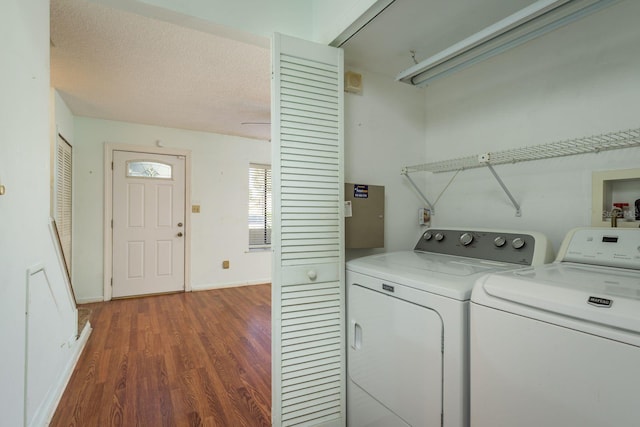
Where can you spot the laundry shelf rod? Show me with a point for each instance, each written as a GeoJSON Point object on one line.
{"type": "Point", "coordinates": [533, 21]}
{"type": "Point", "coordinates": [591, 144]}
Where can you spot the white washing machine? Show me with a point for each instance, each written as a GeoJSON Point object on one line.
{"type": "Point", "coordinates": [407, 350]}
{"type": "Point", "coordinates": [559, 345]}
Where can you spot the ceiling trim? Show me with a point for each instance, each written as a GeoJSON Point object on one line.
{"type": "Point", "coordinates": [369, 15]}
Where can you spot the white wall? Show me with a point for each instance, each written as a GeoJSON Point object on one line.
{"type": "Point", "coordinates": [578, 81]}
{"type": "Point", "coordinates": [384, 131]}
{"type": "Point", "coordinates": [219, 184]}
{"type": "Point", "coordinates": [24, 212]}
{"type": "Point", "coordinates": [64, 118]}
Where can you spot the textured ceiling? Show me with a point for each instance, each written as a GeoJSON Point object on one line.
{"type": "Point", "coordinates": [111, 64]}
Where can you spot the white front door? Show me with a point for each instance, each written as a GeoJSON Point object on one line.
{"type": "Point", "coordinates": [148, 223]}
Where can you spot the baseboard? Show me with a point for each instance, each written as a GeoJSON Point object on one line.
{"type": "Point", "coordinates": [89, 300]}
{"type": "Point", "coordinates": [196, 288]}
{"type": "Point", "coordinates": [65, 375]}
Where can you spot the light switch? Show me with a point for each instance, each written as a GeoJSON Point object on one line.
{"type": "Point", "coordinates": [195, 208]}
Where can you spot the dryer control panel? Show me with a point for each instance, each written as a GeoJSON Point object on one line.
{"type": "Point", "coordinates": [613, 247]}
{"type": "Point", "coordinates": [524, 248]}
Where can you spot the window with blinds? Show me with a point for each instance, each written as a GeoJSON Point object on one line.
{"type": "Point", "coordinates": [259, 206]}
{"type": "Point", "coordinates": [62, 208]}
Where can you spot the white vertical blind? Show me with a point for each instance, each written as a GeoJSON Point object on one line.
{"type": "Point", "coordinates": [308, 272]}
{"type": "Point", "coordinates": [259, 206]}
{"type": "Point", "coordinates": [63, 187]}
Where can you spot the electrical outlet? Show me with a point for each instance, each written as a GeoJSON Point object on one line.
{"type": "Point", "coordinates": [195, 208]}
{"type": "Point", "coordinates": [225, 264]}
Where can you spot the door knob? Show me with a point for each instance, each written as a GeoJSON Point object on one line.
{"type": "Point", "coordinates": [180, 234]}
{"type": "Point", "coordinates": [179, 224]}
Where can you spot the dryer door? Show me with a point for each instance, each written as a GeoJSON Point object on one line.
{"type": "Point", "coordinates": [395, 355]}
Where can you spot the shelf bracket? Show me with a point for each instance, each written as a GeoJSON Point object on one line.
{"type": "Point", "coordinates": [570, 147]}
{"type": "Point", "coordinates": [415, 187]}
{"type": "Point", "coordinates": [484, 158]}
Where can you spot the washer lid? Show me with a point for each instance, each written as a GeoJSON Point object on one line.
{"type": "Point", "coordinates": [446, 275]}
{"type": "Point", "coordinates": [603, 295]}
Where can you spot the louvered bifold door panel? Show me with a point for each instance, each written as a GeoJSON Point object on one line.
{"type": "Point", "coordinates": [308, 274]}
{"type": "Point", "coordinates": [62, 199]}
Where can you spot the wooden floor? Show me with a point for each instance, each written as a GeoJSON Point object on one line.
{"type": "Point", "coordinates": [188, 359]}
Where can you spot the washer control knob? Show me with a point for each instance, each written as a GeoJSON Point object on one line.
{"type": "Point", "coordinates": [517, 243]}
{"type": "Point", "coordinates": [439, 237]}
{"type": "Point", "coordinates": [427, 235]}
{"type": "Point", "coordinates": [466, 239]}
{"type": "Point", "coordinates": [499, 241]}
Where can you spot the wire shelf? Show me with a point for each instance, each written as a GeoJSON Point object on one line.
{"type": "Point", "coordinates": [592, 144]}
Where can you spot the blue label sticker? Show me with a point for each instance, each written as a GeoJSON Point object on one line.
{"type": "Point", "coordinates": [360, 191]}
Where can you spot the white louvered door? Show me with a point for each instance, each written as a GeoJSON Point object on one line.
{"type": "Point", "coordinates": [308, 271]}
{"type": "Point", "coordinates": [62, 200]}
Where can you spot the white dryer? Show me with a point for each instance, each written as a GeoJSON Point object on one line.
{"type": "Point", "coordinates": [407, 350]}
{"type": "Point", "coordinates": [559, 345]}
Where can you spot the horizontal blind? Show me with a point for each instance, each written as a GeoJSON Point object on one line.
{"type": "Point", "coordinates": [310, 293]}
{"type": "Point", "coordinates": [260, 217]}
